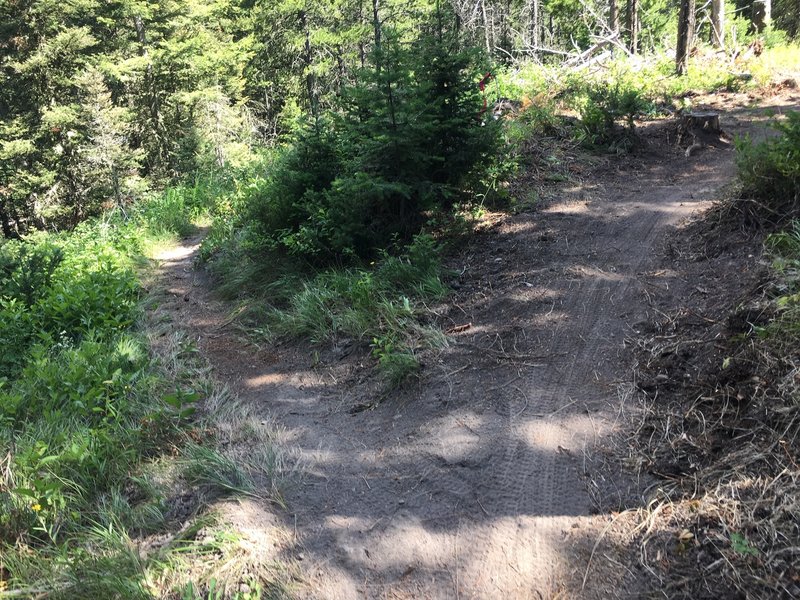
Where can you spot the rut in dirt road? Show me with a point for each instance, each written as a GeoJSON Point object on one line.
{"type": "Point", "coordinates": [468, 484]}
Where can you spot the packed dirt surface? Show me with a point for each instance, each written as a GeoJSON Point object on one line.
{"type": "Point", "coordinates": [478, 480]}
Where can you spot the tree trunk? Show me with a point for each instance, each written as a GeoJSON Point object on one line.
{"type": "Point", "coordinates": [533, 23]}
{"type": "Point", "coordinates": [613, 16]}
{"type": "Point", "coordinates": [486, 31]}
{"type": "Point", "coordinates": [505, 16]}
{"type": "Point", "coordinates": [718, 23]}
{"type": "Point", "coordinates": [633, 26]}
{"type": "Point", "coordinates": [376, 25]}
{"type": "Point", "coordinates": [5, 222]}
{"type": "Point", "coordinates": [150, 90]}
{"type": "Point", "coordinates": [310, 87]}
{"type": "Point", "coordinates": [701, 128]}
{"type": "Point", "coordinates": [362, 55]}
{"type": "Point", "coordinates": [686, 22]}
{"type": "Point", "coordinates": [701, 120]}
{"type": "Point", "coordinates": [762, 14]}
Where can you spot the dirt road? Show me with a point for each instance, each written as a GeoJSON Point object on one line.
{"type": "Point", "coordinates": [472, 482]}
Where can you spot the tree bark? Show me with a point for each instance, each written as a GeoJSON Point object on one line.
{"type": "Point", "coordinates": [533, 23]}
{"type": "Point", "coordinates": [362, 55]}
{"type": "Point", "coordinates": [150, 89]}
{"type": "Point", "coordinates": [633, 26]}
{"type": "Point", "coordinates": [686, 24]}
{"type": "Point", "coordinates": [310, 83]}
{"type": "Point", "coordinates": [762, 14]}
{"type": "Point", "coordinates": [505, 16]}
{"type": "Point", "coordinates": [718, 23]}
{"type": "Point", "coordinates": [5, 222]}
{"type": "Point", "coordinates": [613, 16]}
{"type": "Point", "coordinates": [376, 24]}
{"type": "Point", "coordinates": [701, 120]}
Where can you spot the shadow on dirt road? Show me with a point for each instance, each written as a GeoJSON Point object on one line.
{"type": "Point", "coordinates": [477, 481]}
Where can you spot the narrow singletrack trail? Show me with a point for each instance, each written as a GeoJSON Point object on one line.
{"type": "Point", "coordinates": [471, 482]}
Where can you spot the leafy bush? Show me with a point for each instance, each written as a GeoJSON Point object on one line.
{"type": "Point", "coordinates": [70, 376]}
{"type": "Point", "coordinates": [290, 207]}
{"type": "Point", "coordinates": [56, 293]}
{"type": "Point", "coordinates": [606, 104]}
{"type": "Point", "coordinates": [770, 171]}
{"type": "Point", "coordinates": [27, 269]}
{"type": "Point", "coordinates": [88, 381]}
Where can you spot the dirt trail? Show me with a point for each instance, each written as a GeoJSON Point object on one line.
{"type": "Point", "coordinates": [472, 483]}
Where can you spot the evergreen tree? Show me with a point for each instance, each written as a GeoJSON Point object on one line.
{"type": "Point", "coordinates": [93, 90]}
{"type": "Point", "coordinates": [110, 166]}
{"type": "Point", "coordinates": [402, 148]}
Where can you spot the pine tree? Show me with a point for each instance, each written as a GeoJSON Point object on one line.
{"type": "Point", "coordinates": [110, 164]}
{"type": "Point", "coordinates": [401, 148]}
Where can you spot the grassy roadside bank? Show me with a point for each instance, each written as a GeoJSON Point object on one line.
{"type": "Point", "coordinates": [112, 464]}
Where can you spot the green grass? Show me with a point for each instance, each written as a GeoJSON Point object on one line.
{"type": "Point", "coordinates": [90, 418]}
{"type": "Point", "coordinates": [382, 305]}
{"type": "Point", "coordinates": [202, 465]}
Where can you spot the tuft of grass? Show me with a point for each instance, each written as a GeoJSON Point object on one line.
{"type": "Point", "coordinates": [202, 465]}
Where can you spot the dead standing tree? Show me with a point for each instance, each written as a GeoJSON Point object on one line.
{"type": "Point", "coordinates": [718, 23]}
{"type": "Point", "coordinates": [686, 26]}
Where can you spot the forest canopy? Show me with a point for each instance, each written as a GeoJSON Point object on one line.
{"type": "Point", "coordinates": [104, 101]}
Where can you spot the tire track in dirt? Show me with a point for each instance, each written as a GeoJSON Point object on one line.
{"type": "Point", "coordinates": [494, 528]}
{"type": "Point", "coordinates": [582, 337]}
{"type": "Point", "coordinates": [468, 484]}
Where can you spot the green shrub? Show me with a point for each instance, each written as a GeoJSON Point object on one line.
{"type": "Point", "coordinates": [770, 171]}
{"type": "Point", "coordinates": [603, 107]}
{"type": "Point", "coordinates": [26, 269]}
{"type": "Point", "coordinates": [89, 380]}
{"type": "Point", "coordinates": [405, 144]}
{"type": "Point", "coordinates": [62, 289]}
{"type": "Point", "coordinates": [70, 376]}
{"type": "Point", "coordinates": [17, 330]}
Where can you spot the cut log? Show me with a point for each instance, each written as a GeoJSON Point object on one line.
{"type": "Point", "coordinates": [706, 121]}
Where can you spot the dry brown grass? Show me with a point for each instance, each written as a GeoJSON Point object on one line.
{"type": "Point", "coordinates": [723, 519]}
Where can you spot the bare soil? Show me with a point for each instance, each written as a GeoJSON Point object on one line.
{"type": "Point", "coordinates": [487, 477]}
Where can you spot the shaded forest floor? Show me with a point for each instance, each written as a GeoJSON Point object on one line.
{"type": "Point", "coordinates": [499, 472]}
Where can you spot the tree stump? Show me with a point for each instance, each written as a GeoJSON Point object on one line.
{"type": "Point", "coordinates": [706, 121]}
{"type": "Point", "coordinates": [699, 127]}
